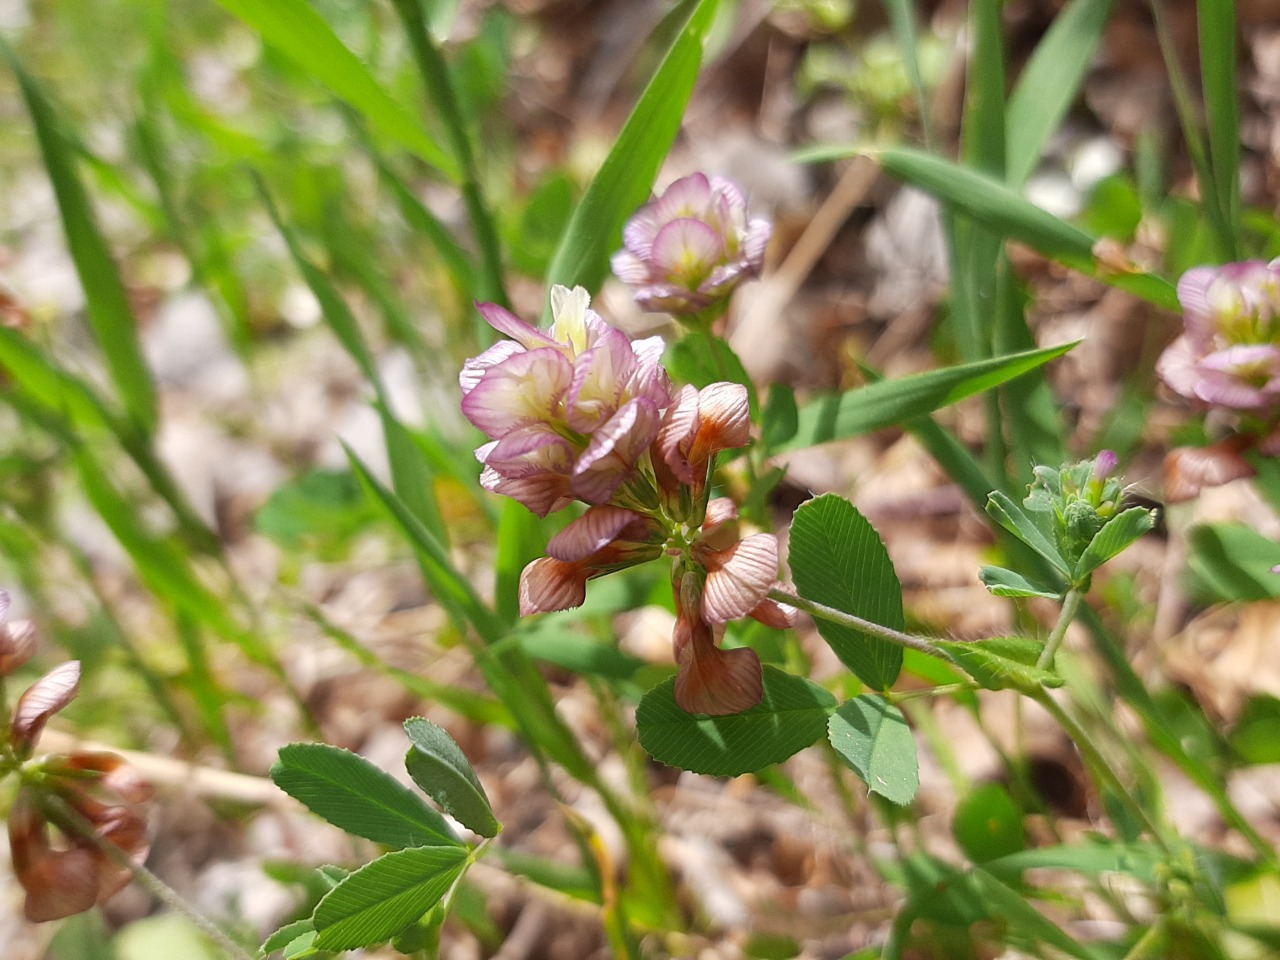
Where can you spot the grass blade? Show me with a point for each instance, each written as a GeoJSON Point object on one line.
{"type": "Point", "coordinates": [1050, 83]}
{"type": "Point", "coordinates": [1003, 210]}
{"type": "Point", "coordinates": [435, 78]}
{"type": "Point", "coordinates": [110, 315]}
{"type": "Point", "coordinates": [295, 29]}
{"type": "Point", "coordinates": [1218, 74]}
{"type": "Point", "coordinates": [889, 402]}
{"type": "Point", "coordinates": [984, 124]}
{"type": "Point", "coordinates": [626, 177]}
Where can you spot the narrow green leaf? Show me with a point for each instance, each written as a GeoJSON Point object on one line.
{"type": "Point", "coordinates": [1023, 919]}
{"type": "Point", "coordinates": [111, 317]}
{"type": "Point", "coordinates": [1115, 537]}
{"type": "Point", "coordinates": [838, 559]}
{"type": "Point", "coordinates": [426, 224]}
{"type": "Point", "coordinates": [984, 115]}
{"type": "Point", "coordinates": [295, 29]}
{"type": "Point", "coordinates": [470, 704]}
{"type": "Point", "coordinates": [440, 91]}
{"type": "Point", "coordinates": [988, 824]}
{"type": "Point", "coordinates": [1256, 735]}
{"type": "Point", "coordinates": [454, 591]}
{"type": "Point", "coordinates": [903, 17]}
{"type": "Point", "coordinates": [512, 677]}
{"type": "Point", "coordinates": [386, 895]}
{"type": "Point", "coordinates": [438, 765]}
{"type": "Point", "coordinates": [1091, 857]}
{"type": "Point", "coordinates": [792, 716]}
{"type": "Point", "coordinates": [1220, 78]}
{"type": "Point", "coordinates": [1010, 515]}
{"type": "Point", "coordinates": [889, 402]}
{"type": "Point", "coordinates": [1050, 83]}
{"type": "Point", "coordinates": [1003, 210]}
{"type": "Point", "coordinates": [351, 793]}
{"type": "Point", "coordinates": [781, 416]}
{"type": "Point", "coordinates": [1000, 663]}
{"type": "Point", "coordinates": [1232, 562]}
{"type": "Point", "coordinates": [49, 385]}
{"type": "Point", "coordinates": [1007, 583]}
{"type": "Point", "coordinates": [627, 175]}
{"type": "Point", "coordinates": [871, 735]}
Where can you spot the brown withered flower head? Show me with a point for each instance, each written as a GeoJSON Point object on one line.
{"type": "Point", "coordinates": [92, 799]}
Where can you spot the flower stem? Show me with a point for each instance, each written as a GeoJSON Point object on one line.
{"type": "Point", "coordinates": [1070, 604]}
{"type": "Point", "coordinates": [162, 891]}
{"type": "Point", "coordinates": [832, 615]}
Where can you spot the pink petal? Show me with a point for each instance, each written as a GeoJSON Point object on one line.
{"type": "Point", "coordinates": [542, 493]}
{"type": "Point", "coordinates": [42, 700]}
{"type": "Point", "coordinates": [595, 529]}
{"type": "Point", "coordinates": [670, 298]}
{"type": "Point", "coordinates": [599, 376]}
{"type": "Point", "coordinates": [536, 448]}
{"type": "Point", "coordinates": [507, 323]}
{"type": "Point", "coordinates": [755, 242]}
{"type": "Point", "coordinates": [474, 369]}
{"type": "Point", "coordinates": [649, 379]}
{"type": "Point", "coordinates": [679, 425]}
{"type": "Point", "coordinates": [17, 645]}
{"type": "Point", "coordinates": [724, 420]}
{"type": "Point", "coordinates": [548, 584]}
{"type": "Point", "coordinates": [523, 388]}
{"type": "Point", "coordinates": [686, 197]}
{"type": "Point", "coordinates": [613, 451]}
{"type": "Point", "coordinates": [739, 578]}
{"type": "Point", "coordinates": [728, 190]}
{"type": "Point", "coordinates": [638, 234]}
{"type": "Point", "coordinates": [4, 604]}
{"type": "Point", "coordinates": [1193, 295]}
{"type": "Point", "coordinates": [1189, 470]}
{"type": "Point", "coordinates": [720, 510]}
{"type": "Point", "coordinates": [1177, 367]}
{"type": "Point", "coordinates": [771, 613]}
{"type": "Point", "coordinates": [685, 251]}
{"type": "Point", "coordinates": [710, 680]}
{"type": "Point", "coordinates": [629, 268]}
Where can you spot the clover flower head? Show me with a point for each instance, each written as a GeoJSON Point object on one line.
{"type": "Point", "coordinates": [568, 410]}
{"type": "Point", "coordinates": [1229, 355]}
{"type": "Point", "coordinates": [579, 412]}
{"type": "Point", "coordinates": [75, 793]}
{"type": "Point", "coordinates": [690, 248]}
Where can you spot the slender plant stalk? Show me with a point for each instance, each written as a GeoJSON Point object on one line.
{"type": "Point", "coordinates": [435, 77]}
{"type": "Point", "coordinates": [161, 890]}
{"type": "Point", "coordinates": [1101, 767]}
{"type": "Point", "coordinates": [832, 615]}
{"type": "Point", "coordinates": [1070, 604]}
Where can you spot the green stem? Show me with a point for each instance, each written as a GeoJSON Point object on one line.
{"type": "Point", "coordinates": [832, 615]}
{"type": "Point", "coordinates": [1100, 766]}
{"type": "Point", "coordinates": [1070, 604]}
{"type": "Point", "coordinates": [162, 891]}
{"type": "Point", "coordinates": [435, 77]}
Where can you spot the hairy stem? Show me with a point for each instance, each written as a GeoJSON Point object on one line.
{"type": "Point", "coordinates": [821, 611]}
{"type": "Point", "coordinates": [1070, 604]}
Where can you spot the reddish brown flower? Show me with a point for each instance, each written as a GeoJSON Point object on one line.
{"type": "Point", "coordinates": [709, 679]}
